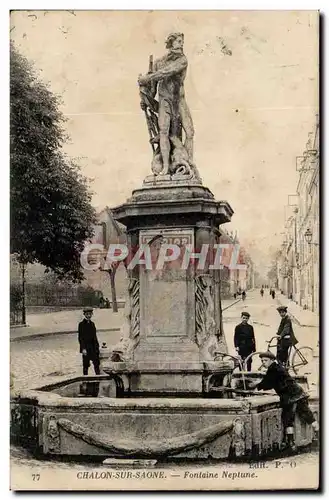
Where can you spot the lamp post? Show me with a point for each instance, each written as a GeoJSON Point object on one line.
{"type": "Point", "coordinates": [23, 294]}
{"type": "Point", "coordinates": [308, 237]}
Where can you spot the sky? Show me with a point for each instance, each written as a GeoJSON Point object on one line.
{"type": "Point", "coordinates": [252, 110]}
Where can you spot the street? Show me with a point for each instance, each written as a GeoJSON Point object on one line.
{"type": "Point", "coordinates": [47, 358]}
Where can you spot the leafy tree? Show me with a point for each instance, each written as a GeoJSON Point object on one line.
{"type": "Point", "coordinates": [51, 211]}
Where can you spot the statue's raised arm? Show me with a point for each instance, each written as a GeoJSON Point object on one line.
{"type": "Point", "coordinates": [169, 116]}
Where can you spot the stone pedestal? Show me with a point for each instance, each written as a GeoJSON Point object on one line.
{"type": "Point", "coordinates": [174, 311]}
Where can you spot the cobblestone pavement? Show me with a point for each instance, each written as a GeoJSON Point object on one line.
{"type": "Point", "coordinates": [44, 359]}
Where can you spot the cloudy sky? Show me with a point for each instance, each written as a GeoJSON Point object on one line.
{"type": "Point", "coordinates": [253, 103]}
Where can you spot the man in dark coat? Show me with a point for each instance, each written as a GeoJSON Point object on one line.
{"type": "Point", "coordinates": [292, 397]}
{"type": "Point", "coordinates": [89, 346]}
{"type": "Point", "coordinates": [286, 336]}
{"type": "Point", "coordinates": [244, 339]}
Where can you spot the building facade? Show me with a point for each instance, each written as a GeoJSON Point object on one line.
{"type": "Point", "coordinates": [108, 231]}
{"type": "Point", "coordinates": [238, 272]}
{"type": "Point", "coordinates": [299, 257]}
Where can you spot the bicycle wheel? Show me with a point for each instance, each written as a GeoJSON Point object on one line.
{"type": "Point", "coordinates": [301, 362]}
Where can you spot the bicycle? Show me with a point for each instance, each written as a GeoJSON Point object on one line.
{"type": "Point", "coordinates": [297, 356]}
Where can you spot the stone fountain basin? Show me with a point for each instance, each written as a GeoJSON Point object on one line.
{"type": "Point", "coordinates": [143, 427]}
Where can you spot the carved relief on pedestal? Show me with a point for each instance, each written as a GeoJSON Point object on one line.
{"type": "Point", "coordinates": [239, 437]}
{"type": "Point", "coordinates": [52, 435]}
{"type": "Point", "coordinates": [130, 329]}
{"type": "Point", "coordinates": [271, 431]}
{"type": "Point", "coordinates": [133, 290]}
{"type": "Point", "coordinates": [205, 324]}
{"type": "Point", "coordinates": [204, 309]}
{"type": "Point", "coordinates": [141, 447]}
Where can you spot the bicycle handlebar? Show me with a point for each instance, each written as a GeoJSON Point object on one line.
{"type": "Point", "coordinates": [269, 341]}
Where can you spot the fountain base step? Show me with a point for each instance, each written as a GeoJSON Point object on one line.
{"type": "Point", "coordinates": [167, 377]}
{"type": "Point", "coordinates": [129, 462]}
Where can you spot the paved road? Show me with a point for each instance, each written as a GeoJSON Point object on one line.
{"type": "Point", "coordinates": [265, 319]}
{"type": "Point", "coordinates": [48, 358]}
{"type": "Point", "coordinates": [56, 355]}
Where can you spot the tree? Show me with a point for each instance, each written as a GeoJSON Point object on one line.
{"type": "Point", "coordinates": [51, 211]}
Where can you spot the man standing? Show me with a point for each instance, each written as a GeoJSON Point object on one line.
{"type": "Point", "coordinates": [168, 79]}
{"type": "Point", "coordinates": [292, 397]}
{"type": "Point", "coordinates": [89, 346]}
{"type": "Point", "coordinates": [244, 339]}
{"type": "Point", "coordinates": [286, 336]}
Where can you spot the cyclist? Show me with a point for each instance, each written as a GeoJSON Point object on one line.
{"type": "Point", "coordinates": [285, 335]}
{"type": "Point", "coordinates": [292, 397]}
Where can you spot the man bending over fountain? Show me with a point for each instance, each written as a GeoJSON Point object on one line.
{"type": "Point", "coordinates": [292, 397]}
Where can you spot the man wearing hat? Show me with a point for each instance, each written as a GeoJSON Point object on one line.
{"type": "Point", "coordinates": [286, 336]}
{"type": "Point", "coordinates": [292, 397]}
{"type": "Point", "coordinates": [89, 346]}
{"type": "Point", "coordinates": [244, 339]}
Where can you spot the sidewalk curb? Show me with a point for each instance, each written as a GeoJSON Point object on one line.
{"type": "Point", "coordinates": [227, 307]}
{"type": "Point", "coordinates": [34, 336]}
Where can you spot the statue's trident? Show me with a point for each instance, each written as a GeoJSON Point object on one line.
{"type": "Point", "coordinates": [150, 64]}
{"type": "Point", "coordinates": [150, 106]}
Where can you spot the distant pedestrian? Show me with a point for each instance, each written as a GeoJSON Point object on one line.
{"type": "Point", "coordinates": [243, 295]}
{"type": "Point", "coordinates": [234, 295]}
{"type": "Point", "coordinates": [286, 336]}
{"type": "Point", "coordinates": [244, 339]}
{"type": "Point", "coordinates": [262, 292]}
{"type": "Point", "coordinates": [89, 346]}
{"type": "Point", "coordinates": [273, 294]}
{"type": "Point", "coordinates": [292, 397]}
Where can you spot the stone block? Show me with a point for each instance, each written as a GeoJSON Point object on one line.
{"type": "Point", "coordinates": [162, 382]}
